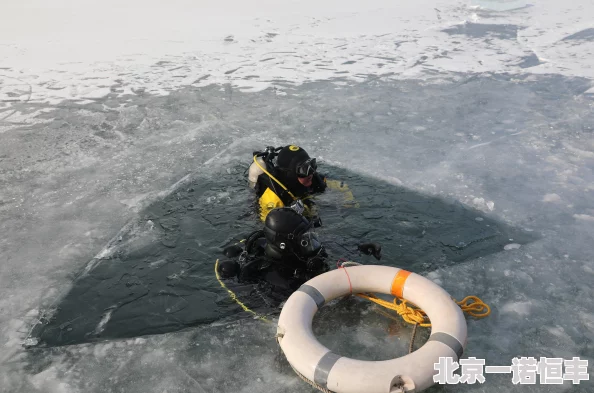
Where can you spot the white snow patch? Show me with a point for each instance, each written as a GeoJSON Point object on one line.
{"type": "Point", "coordinates": [269, 41]}
{"type": "Point", "coordinates": [101, 350]}
{"type": "Point", "coordinates": [522, 308]}
{"type": "Point", "coordinates": [511, 246]}
{"type": "Point", "coordinates": [48, 381]}
{"type": "Point", "coordinates": [551, 198]}
{"type": "Point", "coordinates": [481, 203]}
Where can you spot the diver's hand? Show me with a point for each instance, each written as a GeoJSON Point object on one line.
{"type": "Point", "coordinates": [317, 222]}
{"type": "Point", "coordinates": [314, 264]}
{"type": "Point", "coordinates": [312, 210]}
{"type": "Point", "coordinates": [298, 206]}
{"type": "Point", "coordinates": [309, 202]}
{"type": "Point", "coordinates": [300, 274]}
{"type": "Point", "coordinates": [371, 249]}
{"type": "Point", "coordinates": [270, 149]}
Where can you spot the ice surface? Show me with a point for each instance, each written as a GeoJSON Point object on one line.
{"type": "Point", "coordinates": [487, 103]}
{"type": "Point", "coordinates": [154, 49]}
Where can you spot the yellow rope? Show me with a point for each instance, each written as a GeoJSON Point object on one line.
{"type": "Point", "coordinates": [471, 305]}
{"type": "Point", "coordinates": [408, 313]}
{"type": "Point", "coordinates": [234, 297]}
{"type": "Point", "coordinates": [477, 308]}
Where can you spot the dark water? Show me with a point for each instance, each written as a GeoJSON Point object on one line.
{"type": "Point", "coordinates": [160, 276]}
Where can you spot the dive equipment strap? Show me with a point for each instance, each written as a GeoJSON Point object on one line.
{"type": "Point", "coordinates": [285, 189]}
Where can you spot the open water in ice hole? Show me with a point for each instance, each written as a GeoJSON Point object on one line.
{"type": "Point", "coordinates": [159, 276]}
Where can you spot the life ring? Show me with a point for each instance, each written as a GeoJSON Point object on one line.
{"type": "Point", "coordinates": [410, 373]}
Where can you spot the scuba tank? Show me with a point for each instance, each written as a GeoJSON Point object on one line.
{"type": "Point", "coordinates": [255, 171]}
{"type": "Point", "coordinates": [261, 160]}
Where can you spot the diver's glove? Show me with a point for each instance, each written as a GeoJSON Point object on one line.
{"type": "Point", "coordinates": [317, 264]}
{"type": "Point", "coordinates": [300, 274]}
{"type": "Point", "coordinates": [317, 222]}
{"type": "Point", "coordinates": [371, 249]}
{"type": "Point", "coordinates": [314, 264]}
{"type": "Point", "coordinates": [309, 203]}
{"type": "Point", "coordinates": [298, 206]}
{"type": "Point", "coordinates": [312, 212]}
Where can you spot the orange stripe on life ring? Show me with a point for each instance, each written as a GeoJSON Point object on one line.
{"type": "Point", "coordinates": [398, 283]}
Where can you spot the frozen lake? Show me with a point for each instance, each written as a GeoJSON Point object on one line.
{"type": "Point", "coordinates": [465, 128]}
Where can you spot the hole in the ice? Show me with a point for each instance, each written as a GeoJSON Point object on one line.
{"type": "Point", "coordinates": [159, 274]}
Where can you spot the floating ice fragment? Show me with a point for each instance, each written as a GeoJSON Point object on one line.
{"type": "Point", "coordinates": [522, 308]}
{"type": "Point", "coordinates": [481, 203]}
{"type": "Point", "coordinates": [30, 342]}
{"type": "Point", "coordinates": [511, 246]}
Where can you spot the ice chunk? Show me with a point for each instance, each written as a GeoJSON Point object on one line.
{"type": "Point", "coordinates": [511, 246]}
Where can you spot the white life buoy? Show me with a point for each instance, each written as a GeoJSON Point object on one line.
{"type": "Point", "coordinates": [410, 373]}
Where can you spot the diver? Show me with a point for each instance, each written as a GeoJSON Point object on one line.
{"type": "Point", "coordinates": [284, 254]}
{"type": "Point", "coordinates": [285, 175]}
{"type": "Point", "coordinates": [291, 177]}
